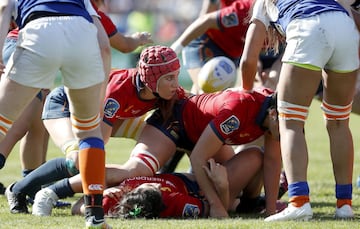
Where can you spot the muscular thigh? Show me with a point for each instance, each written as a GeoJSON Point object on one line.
{"type": "Point", "coordinates": [297, 85]}
{"type": "Point", "coordinates": [155, 142]}
{"type": "Point", "coordinates": [60, 130]}
{"type": "Point", "coordinates": [339, 88]}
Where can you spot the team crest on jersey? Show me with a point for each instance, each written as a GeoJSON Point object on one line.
{"type": "Point", "coordinates": [230, 125]}
{"type": "Point", "coordinates": [111, 107]}
{"type": "Point", "coordinates": [191, 210]}
{"type": "Point", "coordinates": [230, 20]}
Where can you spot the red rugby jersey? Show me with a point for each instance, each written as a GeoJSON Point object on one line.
{"type": "Point", "coordinates": [231, 113]}
{"type": "Point", "coordinates": [121, 98]}
{"type": "Point", "coordinates": [176, 198]}
{"type": "Point", "coordinates": [232, 21]}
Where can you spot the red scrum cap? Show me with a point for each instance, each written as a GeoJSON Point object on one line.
{"type": "Point", "coordinates": [156, 61]}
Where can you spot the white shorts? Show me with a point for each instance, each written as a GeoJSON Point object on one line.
{"type": "Point", "coordinates": [329, 40]}
{"type": "Point", "coordinates": [49, 44]}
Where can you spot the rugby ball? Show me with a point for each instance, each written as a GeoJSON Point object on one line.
{"type": "Point", "coordinates": [217, 74]}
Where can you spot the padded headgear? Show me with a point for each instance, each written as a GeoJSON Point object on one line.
{"type": "Point", "coordinates": [156, 61]}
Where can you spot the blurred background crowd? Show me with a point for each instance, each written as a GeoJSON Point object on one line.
{"type": "Point", "coordinates": [164, 19]}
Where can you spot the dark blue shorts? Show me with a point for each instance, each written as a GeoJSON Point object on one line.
{"type": "Point", "coordinates": [173, 128]}
{"type": "Point", "coordinates": [56, 105]}
{"type": "Point", "coordinates": [201, 50]}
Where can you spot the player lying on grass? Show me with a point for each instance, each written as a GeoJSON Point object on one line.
{"type": "Point", "coordinates": [177, 195]}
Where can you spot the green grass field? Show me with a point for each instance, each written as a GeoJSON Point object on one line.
{"type": "Point", "coordinates": [319, 174]}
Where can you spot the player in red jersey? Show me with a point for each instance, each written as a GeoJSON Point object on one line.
{"type": "Point", "coordinates": [218, 120]}
{"type": "Point", "coordinates": [130, 93]}
{"type": "Point", "coordinates": [208, 124]}
{"type": "Point", "coordinates": [216, 33]}
{"type": "Point", "coordinates": [177, 195]}
{"type": "Point", "coordinates": [174, 195]}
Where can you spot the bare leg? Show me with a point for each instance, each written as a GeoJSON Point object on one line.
{"type": "Point", "coordinates": [11, 110]}
{"type": "Point", "coordinates": [293, 143]}
{"type": "Point", "coordinates": [33, 146]}
{"type": "Point", "coordinates": [340, 92]}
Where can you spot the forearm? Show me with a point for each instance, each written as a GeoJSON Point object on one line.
{"type": "Point", "coordinates": [254, 42]}
{"type": "Point", "coordinates": [202, 162]}
{"type": "Point", "coordinates": [271, 186]}
{"type": "Point", "coordinates": [126, 45]}
{"type": "Point", "coordinates": [196, 29]}
{"type": "Point", "coordinates": [224, 194]}
{"type": "Point", "coordinates": [248, 73]}
{"type": "Point", "coordinates": [205, 184]}
{"type": "Point", "coordinates": [272, 169]}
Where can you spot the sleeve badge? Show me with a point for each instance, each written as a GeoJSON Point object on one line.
{"type": "Point", "coordinates": [230, 125]}
{"type": "Point", "coordinates": [111, 107]}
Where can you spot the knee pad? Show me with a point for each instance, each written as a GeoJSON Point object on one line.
{"type": "Point", "coordinates": [289, 111]}
{"type": "Point", "coordinates": [147, 159]}
{"type": "Point", "coordinates": [71, 167]}
{"type": "Point", "coordinates": [82, 125]}
{"type": "Point", "coordinates": [336, 112]}
{"type": "Point", "coordinates": [67, 148]}
{"type": "Point", "coordinates": [70, 146]}
{"type": "Point", "coordinates": [5, 124]}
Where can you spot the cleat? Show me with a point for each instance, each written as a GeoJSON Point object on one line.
{"type": "Point", "coordinates": [93, 223]}
{"type": "Point", "coordinates": [345, 212]}
{"type": "Point", "coordinates": [303, 213]}
{"type": "Point", "coordinates": [44, 201]}
{"type": "Point", "coordinates": [17, 202]}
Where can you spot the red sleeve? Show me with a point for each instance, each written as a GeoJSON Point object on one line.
{"type": "Point", "coordinates": [109, 26]}
{"type": "Point", "coordinates": [14, 33]}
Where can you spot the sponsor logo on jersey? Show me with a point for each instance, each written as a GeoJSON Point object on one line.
{"type": "Point", "coordinates": [191, 210]}
{"type": "Point", "coordinates": [95, 187]}
{"type": "Point", "coordinates": [230, 20]}
{"type": "Point", "coordinates": [111, 107]}
{"type": "Point", "coordinates": [134, 112]}
{"type": "Point", "coordinates": [230, 125]}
